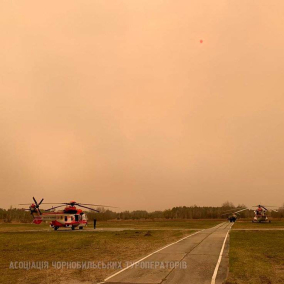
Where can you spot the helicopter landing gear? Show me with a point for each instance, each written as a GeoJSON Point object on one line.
{"type": "Point", "coordinates": [55, 228]}
{"type": "Point", "coordinates": [80, 228]}
{"type": "Point", "coordinates": [73, 228]}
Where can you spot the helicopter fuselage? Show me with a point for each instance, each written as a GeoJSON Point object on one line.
{"type": "Point", "coordinates": [70, 217]}
{"type": "Point", "coordinates": [260, 216]}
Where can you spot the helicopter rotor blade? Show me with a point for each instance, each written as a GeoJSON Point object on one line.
{"type": "Point", "coordinates": [89, 208]}
{"type": "Point", "coordinates": [241, 210]}
{"type": "Point", "coordinates": [54, 207]}
{"type": "Point", "coordinates": [65, 203]}
{"type": "Point", "coordinates": [233, 211]}
{"type": "Point", "coordinates": [35, 202]}
{"type": "Point", "coordinates": [263, 206]}
{"type": "Point", "coordinates": [96, 205]}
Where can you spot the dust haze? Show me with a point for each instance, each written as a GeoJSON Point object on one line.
{"type": "Point", "coordinates": [119, 103]}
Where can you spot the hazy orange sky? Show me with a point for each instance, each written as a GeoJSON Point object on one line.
{"type": "Point", "coordinates": [118, 102]}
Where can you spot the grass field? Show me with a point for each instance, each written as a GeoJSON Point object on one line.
{"type": "Point", "coordinates": [76, 246]}
{"type": "Point", "coordinates": [256, 257]}
{"type": "Point", "coordinates": [275, 224]}
{"type": "Point", "coordinates": [10, 227]}
{"type": "Point", "coordinates": [131, 224]}
{"type": "Point", "coordinates": [160, 224]}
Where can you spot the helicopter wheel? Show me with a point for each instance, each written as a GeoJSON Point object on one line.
{"type": "Point", "coordinates": [73, 228]}
{"type": "Point", "coordinates": [80, 228]}
{"type": "Point", "coordinates": [55, 228]}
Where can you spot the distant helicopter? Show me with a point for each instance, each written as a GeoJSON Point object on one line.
{"type": "Point", "coordinates": [69, 217]}
{"type": "Point", "coordinates": [260, 214]}
{"type": "Point", "coordinates": [233, 215]}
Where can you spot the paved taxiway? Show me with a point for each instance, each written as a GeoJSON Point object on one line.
{"type": "Point", "coordinates": [205, 254]}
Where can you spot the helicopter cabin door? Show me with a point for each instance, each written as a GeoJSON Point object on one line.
{"type": "Point", "coordinates": [76, 218]}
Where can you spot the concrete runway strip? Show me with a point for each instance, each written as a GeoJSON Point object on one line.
{"type": "Point", "coordinates": [204, 253]}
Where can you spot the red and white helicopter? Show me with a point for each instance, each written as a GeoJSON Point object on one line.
{"type": "Point", "coordinates": [260, 214]}
{"type": "Point", "coordinates": [69, 217]}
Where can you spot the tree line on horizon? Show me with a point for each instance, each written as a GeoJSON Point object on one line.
{"type": "Point", "coordinates": [180, 212]}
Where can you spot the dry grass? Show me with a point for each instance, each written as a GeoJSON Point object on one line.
{"type": "Point", "coordinates": [275, 223]}
{"type": "Point", "coordinates": [76, 246]}
{"type": "Point", "coordinates": [256, 257]}
{"type": "Point", "coordinates": [161, 224]}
